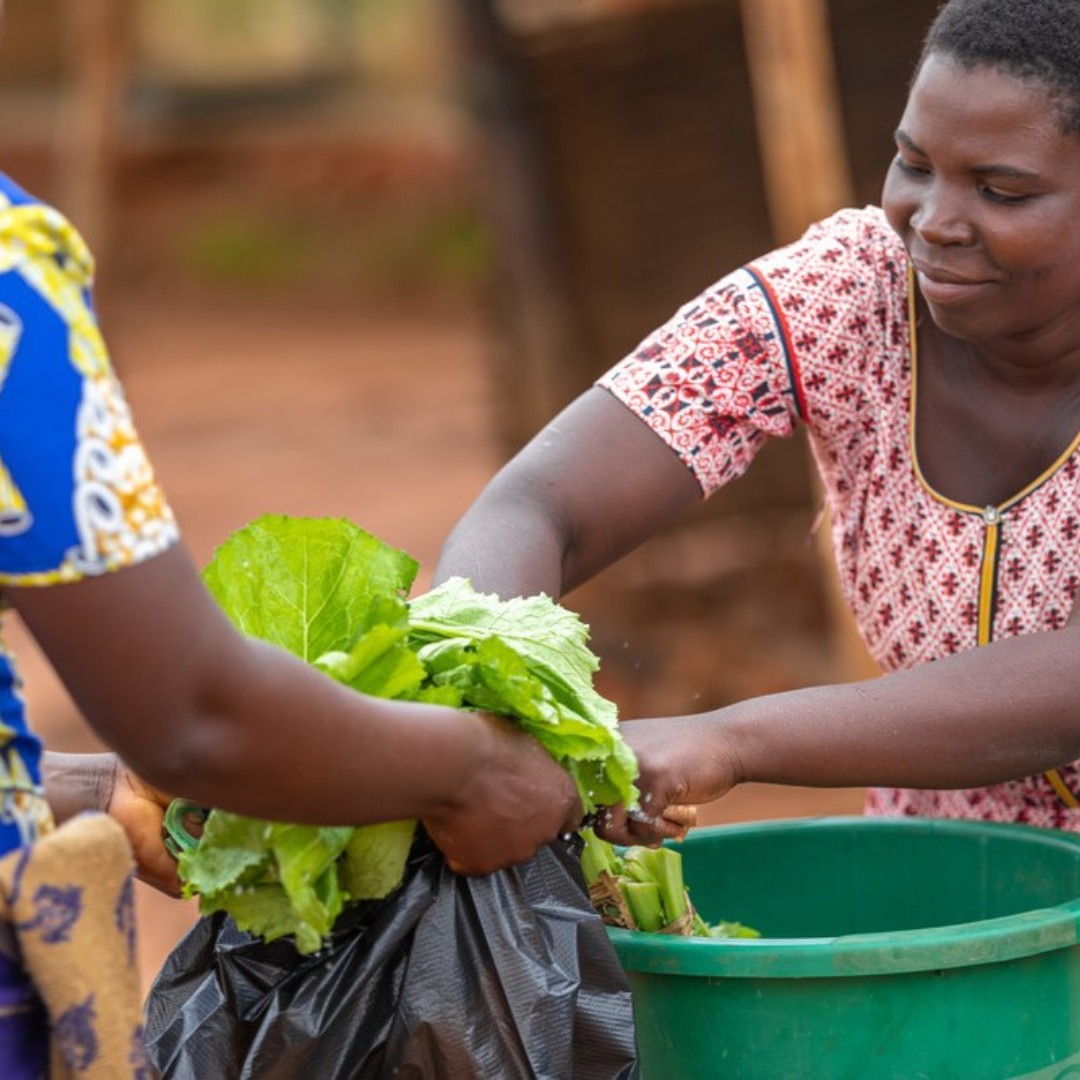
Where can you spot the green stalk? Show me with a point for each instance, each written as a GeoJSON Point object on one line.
{"type": "Point", "coordinates": [643, 900]}
{"type": "Point", "coordinates": [700, 927]}
{"type": "Point", "coordinates": [663, 866]}
{"type": "Point", "coordinates": [597, 857]}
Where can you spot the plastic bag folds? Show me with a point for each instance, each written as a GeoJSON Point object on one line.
{"type": "Point", "coordinates": [504, 976]}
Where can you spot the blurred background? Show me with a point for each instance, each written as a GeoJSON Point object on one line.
{"type": "Point", "coordinates": [353, 252]}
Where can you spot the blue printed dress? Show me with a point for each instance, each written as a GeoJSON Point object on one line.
{"type": "Point", "coordinates": [77, 494]}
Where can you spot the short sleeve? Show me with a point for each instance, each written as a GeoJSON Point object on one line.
{"type": "Point", "coordinates": [713, 382]}
{"type": "Point", "coordinates": [78, 496]}
{"type": "Point", "coordinates": [795, 336]}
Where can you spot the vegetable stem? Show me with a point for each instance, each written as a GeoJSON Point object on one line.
{"type": "Point", "coordinates": [643, 900]}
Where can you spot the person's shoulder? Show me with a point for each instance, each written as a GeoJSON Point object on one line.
{"type": "Point", "coordinates": [13, 194]}
{"type": "Point", "coordinates": [31, 228]}
{"type": "Point", "coordinates": [855, 249]}
{"type": "Point", "coordinates": [859, 227]}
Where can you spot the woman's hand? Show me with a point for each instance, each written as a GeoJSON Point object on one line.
{"type": "Point", "coordinates": [682, 761]}
{"type": "Point", "coordinates": [75, 783]}
{"type": "Point", "coordinates": [516, 802]}
{"type": "Point", "coordinates": [140, 809]}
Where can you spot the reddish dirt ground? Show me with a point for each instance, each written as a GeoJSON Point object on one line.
{"type": "Point", "coordinates": [324, 408]}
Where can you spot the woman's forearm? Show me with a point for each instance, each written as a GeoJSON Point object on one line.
{"type": "Point", "coordinates": [225, 720]}
{"type": "Point", "coordinates": [279, 734]}
{"type": "Point", "coordinates": [504, 546]}
{"type": "Point", "coordinates": [994, 714]}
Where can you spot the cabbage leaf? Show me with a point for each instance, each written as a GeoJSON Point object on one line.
{"type": "Point", "coordinates": [337, 597]}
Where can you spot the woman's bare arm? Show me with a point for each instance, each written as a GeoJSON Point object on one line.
{"type": "Point", "coordinates": [196, 709]}
{"type": "Point", "coordinates": [589, 488]}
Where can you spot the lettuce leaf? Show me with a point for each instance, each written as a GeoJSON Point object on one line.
{"type": "Point", "coordinates": [336, 596]}
{"type": "Point", "coordinates": [309, 585]}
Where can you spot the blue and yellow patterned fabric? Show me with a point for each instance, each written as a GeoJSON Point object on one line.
{"type": "Point", "coordinates": [77, 494]}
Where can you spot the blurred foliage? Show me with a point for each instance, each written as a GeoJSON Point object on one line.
{"type": "Point", "coordinates": [241, 249]}
{"type": "Point", "coordinates": [225, 42]}
{"type": "Point", "coordinates": [245, 16]}
{"type": "Point", "coordinates": [433, 248]}
{"type": "Point", "coordinates": [270, 145]}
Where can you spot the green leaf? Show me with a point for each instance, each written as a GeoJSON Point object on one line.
{"type": "Point", "coordinates": [231, 852]}
{"type": "Point", "coordinates": [528, 658]}
{"type": "Point", "coordinates": [724, 929]}
{"type": "Point", "coordinates": [304, 855]}
{"type": "Point", "coordinates": [550, 638]}
{"type": "Point", "coordinates": [267, 911]}
{"type": "Point", "coordinates": [380, 664]}
{"type": "Point", "coordinates": [310, 585]}
{"type": "Point", "coordinates": [374, 861]}
{"type": "Point", "coordinates": [335, 596]}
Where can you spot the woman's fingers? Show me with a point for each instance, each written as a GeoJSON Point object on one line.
{"type": "Point", "coordinates": [683, 817]}
{"type": "Point", "coordinates": [618, 825]}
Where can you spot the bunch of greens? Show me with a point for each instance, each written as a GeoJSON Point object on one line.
{"type": "Point", "coordinates": [640, 888]}
{"type": "Point", "coordinates": [337, 597]}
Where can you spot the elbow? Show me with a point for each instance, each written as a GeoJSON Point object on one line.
{"type": "Point", "coordinates": [198, 756]}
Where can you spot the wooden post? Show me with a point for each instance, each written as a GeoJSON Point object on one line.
{"type": "Point", "coordinates": [537, 344]}
{"type": "Point", "coordinates": [97, 40]}
{"type": "Point", "coordinates": [800, 132]}
{"type": "Point", "coordinates": [801, 140]}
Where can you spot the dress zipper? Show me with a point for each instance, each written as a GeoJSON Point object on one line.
{"type": "Point", "coordinates": [991, 516]}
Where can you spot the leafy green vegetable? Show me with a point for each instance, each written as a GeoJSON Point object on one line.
{"type": "Point", "coordinates": [643, 889]}
{"type": "Point", "coordinates": [375, 858]}
{"type": "Point", "coordinates": [529, 658]}
{"type": "Point", "coordinates": [662, 866]}
{"type": "Point", "coordinates": [310, 585]}
{"type": "Point", "coordinates": [643, 900]}
{"type": "Point", "coordinates": [336, 596]}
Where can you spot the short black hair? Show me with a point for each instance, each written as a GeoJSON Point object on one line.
{"type": "Point", "coordinates": [1031, 39]}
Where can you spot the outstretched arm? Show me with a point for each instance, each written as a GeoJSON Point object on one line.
{"type": "Point", "coordinates": [590, 487]}
{"type": "Point", "coordinates": [993, 714]}
{"type": "Point", "coordinates": [197, 709]}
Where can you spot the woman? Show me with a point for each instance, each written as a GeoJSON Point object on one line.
{"type": "Point", "coordinates": [932, 348]}
{"type": "Point", "coordinates": [91, 559]}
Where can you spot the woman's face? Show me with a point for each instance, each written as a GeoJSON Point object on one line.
{"type": "Point", "coordinates": [985, 193]}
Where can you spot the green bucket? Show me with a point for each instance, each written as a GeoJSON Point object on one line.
{"type": "Point", "coordinates": [900, 948]}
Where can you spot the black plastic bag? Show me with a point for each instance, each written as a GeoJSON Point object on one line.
{"type": "Point", "coordinates": [509, 975]}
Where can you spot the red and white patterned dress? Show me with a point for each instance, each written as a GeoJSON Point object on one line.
{"type": "Point", "coordinates": [819, 333]}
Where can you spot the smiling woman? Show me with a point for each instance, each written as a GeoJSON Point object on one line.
{"type": "Point", "coordinates": [984, 190]}
{"type": "Point", "coordinates": [930, 348]}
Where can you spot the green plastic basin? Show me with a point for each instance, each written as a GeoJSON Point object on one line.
{"type": "Point", "coordinates": [901, 948]}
